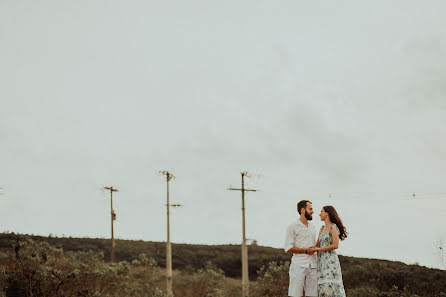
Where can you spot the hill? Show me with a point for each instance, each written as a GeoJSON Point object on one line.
{"type": "Point", "coordinates": [358, 273]}
{"type": "Point", "coordinates": [184, 256]}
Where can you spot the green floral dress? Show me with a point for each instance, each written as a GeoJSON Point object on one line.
{"type": "Point", "coordinates": [329, 276]}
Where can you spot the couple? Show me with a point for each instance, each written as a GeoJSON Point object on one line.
{"type": "Point", "coordinates": [315, 265]}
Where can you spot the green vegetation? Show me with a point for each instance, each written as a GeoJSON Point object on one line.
{"type": "Point", "coordinates": [185, 256]}
{"type": "Point", "coordinates": [46, 266]}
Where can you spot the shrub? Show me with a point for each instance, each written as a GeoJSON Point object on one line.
{"type": "Point", "coordinates": [40, 269]}
{"type": "Point", "coordinates": [209, 281]}
{"type": "Point", "coordinates": [273, 280]}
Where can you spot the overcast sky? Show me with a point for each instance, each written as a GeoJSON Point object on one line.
{"type": "Point", "coordinates": [341, 97]}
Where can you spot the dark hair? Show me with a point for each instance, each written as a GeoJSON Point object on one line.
{"type": "Point", "coordinates": [335, 219]}
{"type": "Point", "coordinates": [302, 204]}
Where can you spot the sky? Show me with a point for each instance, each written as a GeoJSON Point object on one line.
{"type": "Point", "coordinates": [342, 103]}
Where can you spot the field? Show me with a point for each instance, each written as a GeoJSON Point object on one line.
{"type": "Point", "coordinates": [49, 266]}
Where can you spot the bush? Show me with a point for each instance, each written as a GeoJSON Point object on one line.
{"type": "Point", "coordinates": [273, 280]}
{"type": "Point", "coordinates": [209, 281]}
{"type": "Point", "coordinates": [363, 291]}
{"type": "Point", "coordinates": [40, 269]}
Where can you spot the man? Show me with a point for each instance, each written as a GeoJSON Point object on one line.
{"type": "Point", "coordinates": [300, 241]}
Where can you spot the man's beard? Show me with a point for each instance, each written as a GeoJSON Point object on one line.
{"type": "Point", "coordinates": [308, 216]}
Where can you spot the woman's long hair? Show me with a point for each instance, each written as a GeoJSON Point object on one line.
{"type": "Point", "coordinates": [335, 219]}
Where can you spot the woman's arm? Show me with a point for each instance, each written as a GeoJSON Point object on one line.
{"type": "Point", "coordinates": [334, 245]}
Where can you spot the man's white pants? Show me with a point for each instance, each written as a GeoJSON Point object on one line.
{"type": "Point", "coordinates": [302, 278]}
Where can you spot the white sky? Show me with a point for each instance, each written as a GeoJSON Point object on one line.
{"type": "Point", "coordinates": [345, 97]}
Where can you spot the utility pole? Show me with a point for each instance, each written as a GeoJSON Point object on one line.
{"type": "Point", "coordinates": [169, 176]}
{"type": "Point", "coordinates": [245, 275]}
{"type": "Point", "coordinates": [113, 218]}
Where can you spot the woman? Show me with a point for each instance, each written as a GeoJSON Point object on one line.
{"type": "Point", "coordinates": [329, 276]}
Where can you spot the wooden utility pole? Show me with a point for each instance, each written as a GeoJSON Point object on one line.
{"type": "Point", "coordinates": [113, 217]}
{"type": "Point", "coordinates": [245, 275]}
{"type": "Point", "coordinates": [169, 176]}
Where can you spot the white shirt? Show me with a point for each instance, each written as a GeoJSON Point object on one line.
{"type": "Point", "coordinates": [301, 236]}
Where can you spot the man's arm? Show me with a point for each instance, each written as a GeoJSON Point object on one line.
{"type": "Point", "coordinates": [289, 241]}
{"type": "Point", "coordinates": [296, 250]}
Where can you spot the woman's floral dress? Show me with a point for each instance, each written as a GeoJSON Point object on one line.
{"type": "Point", "coordinates": [329, 276]}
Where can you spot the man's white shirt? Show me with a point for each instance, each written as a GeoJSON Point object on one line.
{"type": "Point", "coordinates": [301, 236]}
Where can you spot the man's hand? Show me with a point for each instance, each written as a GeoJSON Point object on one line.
{"type": "Point", "coordinates": [311, 250]}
